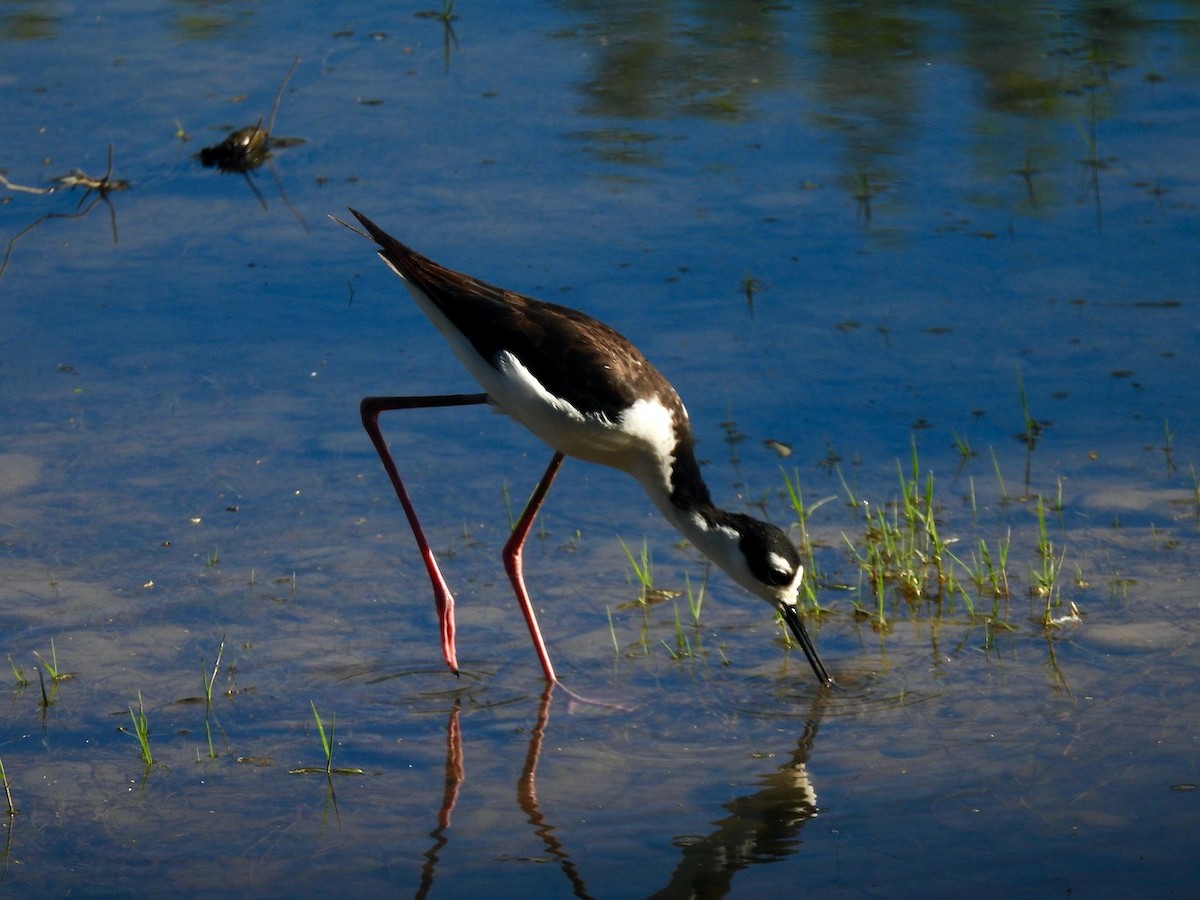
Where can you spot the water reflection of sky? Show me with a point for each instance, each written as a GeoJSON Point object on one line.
{"type": "Point", "coordinates": [836, 226]}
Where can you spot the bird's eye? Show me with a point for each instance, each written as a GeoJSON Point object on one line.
{"type": "Point", "coordinates": [780, 577]}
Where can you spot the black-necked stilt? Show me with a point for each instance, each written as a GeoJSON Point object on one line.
{"type": "Point", "coordinates": [587, 392]}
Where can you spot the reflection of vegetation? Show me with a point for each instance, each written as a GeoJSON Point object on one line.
{"type": "Point", "coordinates": [655, 61]}
{"type": "Point", "coordinates": [206, 20]}
{"type": "Point", "coordinates": [447, 17]}
{"type": "Point", "coordinates": [867, 59]}
{"type": "Point", "coordinates": [750, 286]}
{"type": "Point", "coordinates": [1016, 73]}
{"type": "Point", "coordinates": [29, 21]}
{"type": "Point", "coordinates": [620, 145]}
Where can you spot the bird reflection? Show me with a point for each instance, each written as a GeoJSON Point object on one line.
{"type": "Point", "coordinates": [761, 827]}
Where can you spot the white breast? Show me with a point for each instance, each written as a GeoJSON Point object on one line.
{"type": "Point", "coordinates": [639, 441]}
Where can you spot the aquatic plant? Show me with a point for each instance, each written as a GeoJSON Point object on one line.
{"type": "Point", "coordinates": [326, 748]}
{"type": "Point", "coordinates": [643, 569]}
{"type": "Point", "coordinates": [7, 785]}
{"type": "Point", "coordinates": [141, 731]}
{"type": "Point", "coordinates": [18, 675]}
{"type": "Point", "coordinates": [207, 681]}
{"type": "Point", "coordinates": [51, 665]}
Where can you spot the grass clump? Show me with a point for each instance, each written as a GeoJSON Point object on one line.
{"type": "Point", "coordinates": [141, 731]}
{"type": "Point", "coordinates": [7, 785]}
{"type": "Point", "coordinates": [327, 748]}
{"type": "Point", "coordinates": [51, 666]}
{"type": "Point", "coordinates": [207, 681]}
{"type": "Point", "coordinates": [18, 675]}
{"type": "Point", "coordinates": [903, 550]}
{"type": "Point", "coordinates": [643, 569]}
{"type": "Point", "coordinates": [906, 560]}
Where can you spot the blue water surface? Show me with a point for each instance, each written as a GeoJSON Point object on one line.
{"type": "Point", "coordinates": [868, 234]}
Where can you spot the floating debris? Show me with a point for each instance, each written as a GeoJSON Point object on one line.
{"type": "Point", "coordinates": [784, 450]}
{"type": "Point", "coordinates": [247, 149]}
{"type": "Point", "coordinates": [102, 187]}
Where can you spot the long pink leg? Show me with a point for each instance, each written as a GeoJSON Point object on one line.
{"type": "Point", "coordinates": [514, 566]}
{"type": "Point", "coordinates": [370, 408]}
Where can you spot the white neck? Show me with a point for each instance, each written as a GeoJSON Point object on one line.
{"type": "Point", "coordinates": [718, 543]}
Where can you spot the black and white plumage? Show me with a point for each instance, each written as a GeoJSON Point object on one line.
{"type": "Point", "coordinates": [587, 392]}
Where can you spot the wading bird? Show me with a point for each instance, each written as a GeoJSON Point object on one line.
{"type": "Point", "coordinates": [589, 393]}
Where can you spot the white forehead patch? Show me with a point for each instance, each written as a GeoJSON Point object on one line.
{"type": "Point", "coordinates": [778, 563]}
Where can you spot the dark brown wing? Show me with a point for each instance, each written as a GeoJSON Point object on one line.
{"type": "Point", "coordinates": [572, 355]}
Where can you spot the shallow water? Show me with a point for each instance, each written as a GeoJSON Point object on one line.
{"type": "Point", "coordinates": [851, 230]}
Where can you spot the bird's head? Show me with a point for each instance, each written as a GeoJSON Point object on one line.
{"type": "Point", "coordinates": [773, 569]}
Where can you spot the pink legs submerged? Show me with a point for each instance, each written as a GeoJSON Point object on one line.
{"type": "Point", "coordinates": [513, 564]}
{"type": "Point", "coordinates": [370, 408]}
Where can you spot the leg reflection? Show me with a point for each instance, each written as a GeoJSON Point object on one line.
{"type": "Point", "coordinates": [454, 779]}
{"type": "Point", "coordinates": [528, 801]}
